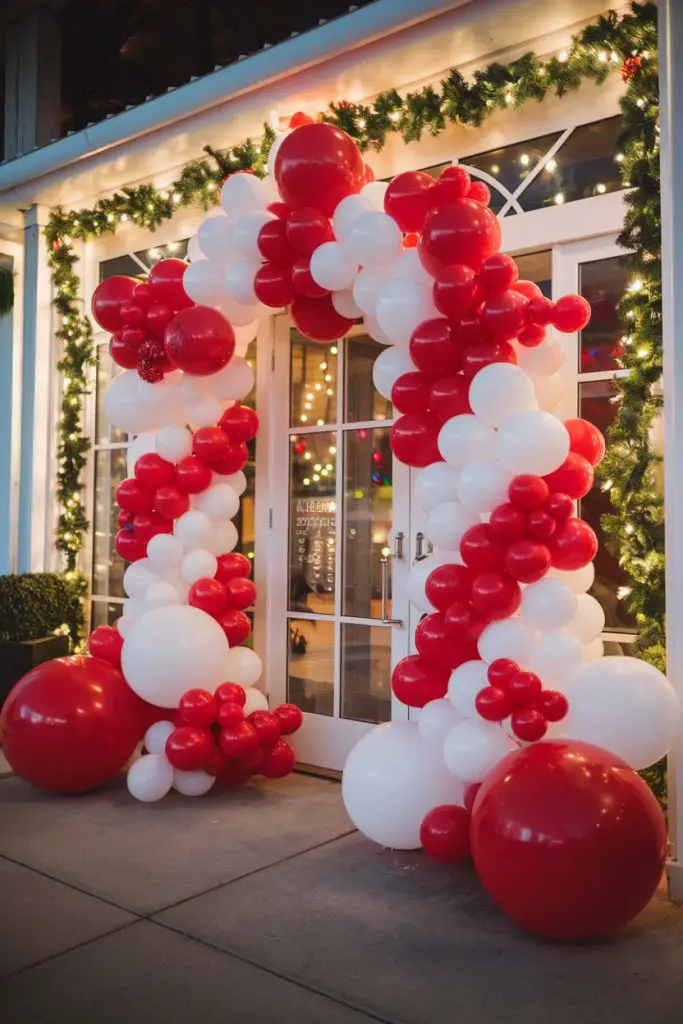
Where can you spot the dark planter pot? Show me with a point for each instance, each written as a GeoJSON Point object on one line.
{"type": "Point", "coordinates": [19, 657]}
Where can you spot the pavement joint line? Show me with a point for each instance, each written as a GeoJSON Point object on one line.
{"type": "Point", "coordinates": [70, 885]}
{"type": "Point", "coordinates": [69, 949]}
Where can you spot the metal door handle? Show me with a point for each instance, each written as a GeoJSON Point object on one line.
{"type": "Point", "coordinates": [420, 554]}
{"type": "Point", "coordinates": [398, 545]}
{"type": "Point", "coordinates": [386, 620]}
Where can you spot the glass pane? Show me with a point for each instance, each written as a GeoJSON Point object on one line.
{"type": "Point", "coordinates": [313, 397]}
{"type": "Point", "coordinates": [596, 405]}
{"type": "Point", "coordinates": [106, 369]}
{"type": "Point", "coordinates": [584, 166]}
{"type": "Point", "coordinates": [537, 267]}
{"type": "Point", "coordinates": [104, 613]}
{"type": "Point", "coordinates": [362, 400]}
{"type": "Point", "coordinates": [310, 665]}
{"type": "Point", "coordinates": [244, 520]}
{"type": "Point", "coordinates": [602, 283]}
{"type": "Point", "coordinates": [510, 165]}
{"type": "Point", "coordinates": [367, 518]}
{"type": "Point", "coordinates": [366, 673]}
{"type": "Point", "coordinates": [312, 522]}
{"type": "Point", "coordinates": [108, 568]}
{"type": "Point", "coordinates": [130, 266]}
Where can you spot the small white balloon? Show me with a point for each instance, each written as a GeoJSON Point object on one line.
{"type": "Point", "coordinates": [447, 523]}
{"type": "Point", "coordinates": [150, 778]}
{"type": "Point", "coordinates": [245, 232]}
{"type": "Point", "coordinates": [499, 390]}
{"type": "Point", "coordinates": [242, 192]}
{"type": "Point", "coordinates": [123, 625]}
{"type": "Point", "coordinates": [204, 413]}
{"type": "Point", "coordinates": [594, 650]}
{"type": "Point", "coordinates": [215, 239]}
{"type": "Point", "coordinates": [237, 481]}
{"type": "Point", "coordinates": [256, 699]}
{"type": "Point", "coordinates": [483, 484]}
{"type": "Point", "coordinates": [375, 239]}
{"type": "Point", "coordinates": [375, 192]}
{"type": "Point", "coordinates": [588, 621]}
{"type": "Point", "coordinates": [218, 502]}
{"type": "Point", "coordinates": [548, 391]}
{"type": "Point", "coordinates": [464, 438]}
{"type": "Point", "coordinates": [238, 314]}
{"type": "Point", "coordinates": [194, 530]}
{"type": "Point", "coordinates": [366, 288]}
{"type": "Point", "coordinates": [161, 593]}
{"type": "Point", "coordinates": [508, 638]}
{"type": "Point", "coordinates": [156, 736]}
{"type": "Point", "coordinates": [543, 360]}
{"type": "Point", "coordinates": [409, 265]}
{"type": "Point", "coordinates": [204, 282]}
{"type": "Point", "coordinates": [192, 783]}
{"type": "Point", "coordinates": [234, 381]}
{"type": "Point", "coordinates": [532, 442]}
{"type": "Point", "coordinates": [173, 443]}
{"type": "Point", "coordinates": [373, 328]}
{"type": "Point", "coordinates": [474, 748]}
{"type": "Point", "coordinates": [402, 304]}
{"type": "Point", "coordinates": [333, 266]}
{"type": "Point", "coordinates": [548, 605]}
{"type": "Point", "coordinates": [347, 213]}
{"type": "Point", "coordinates": [197, 565]}
{"type": "Point", "coordinates": [239, 281]}
{"type": "Point", "coordinates": [140, 445]}
{"type": "Point", "coordinates": [138, 577]}
{"type": "Point", "coordinates": [436, 719]}
{"type": "Point", "coordinates": [243, 666]}
{"type": "Point", "coordinates": [465, 683]}
{"type": "Point", "coordinates": [555, 658]}
{"type": "Point", "coordinates": [344, 304]}
{"type": "Point", "coordinates": [224, 538]}
{"type": "Point", "coordinates": [435, 484]}
{"type": "Point", "coordinates": [389, 365]}
{"type": "Point", "coordinates": [578, 580]}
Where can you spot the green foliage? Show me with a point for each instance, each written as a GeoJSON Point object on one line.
{"type": "Point", "coordinates": [35, 605]}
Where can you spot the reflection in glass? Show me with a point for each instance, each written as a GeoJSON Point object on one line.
{"type": "Point", "coordinates": [140, 263]}
{"type": "Point", "coordinates": [363, 401]}
{"type": "Point", "coordinates": [537, 267]}
{"type": "Point", "coordinates": [108, 567]}
{"type": "Point", "coordinates": [313, 397]}
{"type": "Point", "coordinates": [367, 518]}
{"type": "Point", "coordinates": [104, 613]}
{"type": "Point", "coordinates": [511, 165]}
{"type": "Point", "coordinates": [312, 522]}
{"type": "Point", "coordinates": [106, 369]}
{"type": "Point", "coordinates": [602, 283]}
{"type": "Point", "coordinates": [310, 665]}
{"type": "Point", "coordinates": [366, 673]}
{"type": "Point", "coordinates": [596, 404]}
{"type": "Point", "coordinates": [244, 520]}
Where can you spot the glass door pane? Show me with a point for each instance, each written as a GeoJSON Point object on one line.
{"type": "Point", "coordinates": [312, 523]}
{"type": "Point", "coordinates": [367, 518]}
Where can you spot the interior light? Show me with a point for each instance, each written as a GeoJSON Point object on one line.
{"type": "Point", "coordinates": [316, 477]}
{"type": "Point", "coordinates": [323, 366]}
{"type": "Point", "coordinates": [551, 165]}
{"type": "Point", "coordinates": [559, 198]}
{"type": "Point", "coordinates": [333, 350]}
{"type": "Point", "coordinates": [332, 450]}
{"type": "Point", "coordinates": [307, 455]}
{"type": "Point", "coordinates": [320, 422]}
{"type": "Point", "coordinates": [309, 396]}
{"type": "Point", "coordinates": [328, 377]}
{"type": "Point", "coordinates": [495, 168]}
{"type": "Point", "coordinates": [317, 467]}
{"type": "Point", "coordinates": [303, 417]}
{"type": "Point", "coordinates": [600, 188]}
{"type": "Point", "coordinates": [330, 391]}
{"type": "Point", "coordinates": [307, 405]}
{"type": "Point", "coordinates": [306, 481]}
{"type": "Point", "coordinates": [524, 159]}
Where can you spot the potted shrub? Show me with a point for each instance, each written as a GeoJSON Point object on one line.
{"type": "Point", "coordinates": [40, 618]}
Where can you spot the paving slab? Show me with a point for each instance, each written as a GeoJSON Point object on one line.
{"type": "Point", "coordinates": [40, 917]}
{"type": "Point", "coordinates": [146, 974]}
{"type": "Point", "coordinates": [421, 943]}
{"type": "Point", "coordinates": [144, 857]}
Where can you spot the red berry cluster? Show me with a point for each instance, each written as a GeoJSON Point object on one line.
{"type": "Point", "coordinates": [518, 695]}
{"type": "Point", "coordinates": [215, 736]}
{"type": "Point", "coordinates": [631, 67]}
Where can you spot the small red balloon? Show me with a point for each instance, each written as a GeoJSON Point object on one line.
{"type": "Point", "coordinates": [230, 715]}
{"type": "Point", "coordinates": [307, 229]}
{"type": "Point", "coordinates": [540, 311]}
{"type": "Point", "coordinates": [454, 183]}
{"type": "Point", "coordinates": [528, 725]}
{"type": "Point", "coordinates": [273, 284]}
{"type": "Point", "coordinates": [476, 357]}
{"type": "Point", "coordinates": [129, 547]}
{"type": "Point", "coordinates": [503, 315]}
{"type": "Point", "coordinates": [434, 642]}
{"type": "Point", "coordinates": [233, 566]}
{"type": "Point", "coordinates": [318, 165]}
{"type": "Point", "coordinates": [231, 692]}
{"type": "Point", "coordinates": [318, 320]}
{"type": "Point", "coordinates": [165, 283]}
{"type": "Point", "coordinates": [302, 280]}
{"type": "Point", "coordinates": [133, 497]}
{"type": "Point", "coordinates": [124, 350]}
{"type": "Point", "coordinates": [574, 477]}
{"type": "Point", "coordinates": [277, 761]}
{"type": "Point", "coordinates": [529, 289]}
{"type": "Point", "coordinates": [235, 624]}
{"type": "Point", "coordinates": [540, 524]}
{"type": "Point", "coordinates": [158, 318]}
{"type": "Point", "coordinates": [267, 726]}
{"type": "Point", "coordinates": [290, 718]}
{"type": "Point", "coordinates": [192, 475]}
{"type": "Point", "coordinates": [199, 341]}
{"type": "Point", "coordinates": [553, 705]}
{"type": "Point", "coordinates": [105, 642]}
{"type": "Point", "coordinates": [198, 707]}
{"type": "Point", "coordinates": [171, 501]}
{"type": "Point", "coordinates": [482, 549]}
{"type": "Point", "coordinates": [445, 834]}
{"type": "Point", "coordinates": [493, 704]}
{"type": "Point", "coordinates": [508, 521]}
{"type": "Point", "coordinates": [573, 545]}
{"type": "Point", "coordinates": [132, 313]}
{"type": "Point", "coordinates": [501, 672]}
{"type": "Point", "coordinates": [448, 584]}
{"type": "Point", "coordinates": [495, 595]}
{"type": "Point", "coordinates": [462, 232]}
{"type": "Point", "coordinates": [239, 740]}
{"type": "Point", "coordinates": [148, 524]}
{"type": "Point", "coordinates": [240, 423]}
{"type": "Point", "coordinates": [109, 298]}
{"type": "Point", "coordinates": [414, 439]}
{"type": "Point", "coordinates": [233, 460]}
{"type": "Point", "coordinates": [524, 688]}
{"type": "Point", "coordinates": [449, 396]}
{"type": "Point", "coordinates": [480, 192]}
{"type": "Point", "coordinates": [151, 471]}
{"type": "Point", "coordinates": [296, 120]}
{"type": "Point", "coordinates": [561, 507]}
{"type": "Point", "coordinates": [462, 623]}
{"type": "Point", "coordinates": [531, 336]}
{"type": "Point", "coordinates": [528, 492]}
{"type": "Point", "coordinates": [498, 273]}
{"type": "Point", "coordinates": [273, 245]}
{"type": "Point", "coordinates": [585, 439]}
{"type": "Point", "coordinates": [469, 331]}
{"type": "Point", "coordinates": [240, 593]}
{"type": "Point", "coordinates": [571, 313]}
{"type": "Point", "coordinates": [416, 681]}
{"type": "Point", "coordinates": [408, 199]}
{"type": "Point", "coordinates": [411, 392]}
{"type": "Point", "coordinates": [527, 560]}
{"type": "Point", "coordinates": [209, 596]}
{"type": "Point", "coordinates": [433, 348]}
{"type": "Point", "coordinates": [189, 747]}
{"type": "Point", "coordinates": [211, 444]}
{"type": "Point", "coordinates": [456, 293]}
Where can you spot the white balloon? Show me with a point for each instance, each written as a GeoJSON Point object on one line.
{"type": "Point", "coordinates": [546, 358]}
{"type": "Point", "coordinates": [499, 390]}
{"type": "Point", "coordinates": [192, 783]}
{"type": "Point", "coordinates": [256, 699]}
{"type": "Point", "coordinates": [204, 282]}
{"type": "Point", "coordinates": [508, 638]}
{"type": "Point", "coordinates": [548, 605]}
{"type": "Point", "coordinates": [595, 649]}
{"type": "Point", "coordinates": [173, 443]}
{"type": "Point", "coordinates": [555, 657]}
{"type": "Point", "coordinates": [277, 142]}
{"type": "Point", "coordinates": [373, 328]}
{"type": "Point", "coordinates": [156, 736]}
{"type": "Point", "coordinates": [625, 706]}
{"type": "Point", "coordinates": [234, 381]}
{"type": "Point", "coordinates": [173, 649]}
{"type": "Point", "coordinates": [375, 192]}
{"type": "Point", "coordinates": [333, 266]}
{"type": "Point", "coordinates": [474, 748]}
{"type": "Point", "coordinates": [193, 250]}
{"type": "Point", "coordinates": [548, 391]}
{"type": "Point", "coordinates": [194, 530]}
{"type": "Point", "coordinates": [195, 389]}
{"type": "Point", "coordinates": [389, 365]}
{"type": "Point", "coordinates": [436, 483]}
{"type": "Point", "coordinates": [435, 721]}
{"type": "Point", "coordinates": [417, 578]}
{"type": "Point", "coordinates": [238, 314]}
{"type": "Point", "coordinates": [134, 607]}
{"type": "Point", "coordinates": [197, 565]}
{"type": "Point", "coordinates": [366, 288]}
{"type": "Point", "coordinates": [245, 231]}
{"type": "Point", "coordinates": [483, 484]}
{"type": "Point", "coordinates": [392, 778]}
{"type": "Point", "coordinates": [242, 192]}
{"type": "Point", "coordinates": [239, 281]}
{"type": "Point", "coordinates": [123, 407]}
{"type": "Point", "coordinates": [218, 502]}
{"type": "Point", "coordinates": [123, 625]}
{"type": "Point", "coordinates": [160, 594]}
{"type": "Point", "coordinates": [375, 239]}
{"type": "Point", "coordinates": [237, 481]}
{"type": "Point", "coordinates": [150, 778]}
{"type": "Point", "coordinates": [344, 304]}
{"type": "Point", "coordinates": [409, 265]}
{"type": "Point", "coordinates": [464, 438]}
{"type": "Point", "coordinates": [205, 412]}
{"type": "Point", "coordinates": [447, 523]}
{"type": "Point", "coordinates": [401, 305]}
{"type": "Point", "coordinates": [224, 538]}
{"type": "Point", "coordinates": [588, 621]}
{"type": "Point", "coordinates": [215, 239]}
{"type": "Point", "coordinates": [532, 442]}
{"type": "Point", "coordinates": [243, 666]}
{"type": "Point", "coordinates": [347, 213]}
{"type": "Point", "coordinates": [579, 580]}
{"type": "Point", "coordinates": [465, 683]}
{"type": "Point", "coordinates": [139, 576]}
{"type": "Point", "coordinates": [143, 444]}
{"type": "Point", "coordinates": [244, 335]}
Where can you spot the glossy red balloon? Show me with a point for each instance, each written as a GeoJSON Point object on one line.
{"type": "Point", "coordinates": [574, 477]}
{"type": "Point", "coordinates": [189, 747]}
{"type": "Point", "coordinates": [239, 740]}
{"type": "Point", "coordinates": [277, 761]}
{"type": "Point", "coordinates": [240, 423]}
{"type": "Point", "coordinates": [148, 524]}
{"type": "Point", "coordinates": [462, 623]}
{"type": "Point", "coordinates": [568, 840]}
{"type": "Point", "coordinates": [469, 331]}
{"type": "Point", "coordinates": [408, 199]}
{"type": "Point", "coordinates": [236, 626]}
{"type": "Point", "coordinates": [165, 283]}
{"type": "Point", "coordinates": [529, 492]}
{"type": "Point", "coordinates": [503, 315]}
{"type": "Point", "coordinates": [209, 596]}
{"type": "Point", "coordinates": [131, 496]}
{"type": "Point", "coordinates": [232, 566]}
{"type": "Point", "coordinates": [233, 693]}
{"type": "Point", "coordinates": [124, 519]}
{"type": "Point", "coordinates": [508, 521]}
{"type": "Point", "coordinates": [529, 289]}
{"type": "Point", "coordinates": [142, 296]}
{"type": "Point", "coordinates": [307, 229]}
{"type": "Point", "coordinates": [448, 584]}
{"type": "Point", "coordinates": [171, 501]}
{"type": "Point", "coordinates": [483, 353]}
{"type": "Point", "coordinates": [449, 396]}
{"type": "Point", "coordinates": [132, 313]}
{"type": "Point", "coordinates": [495, 595]}
{"type": "Point", "coordinates": [553, 705]}
{"type": "Point", "coordinates": [273, 245]}
{"type": "Point", "coordinates": [273, 284]}
{"type": "Point", "coordinates": [199, 341]}
{"type": "Point", "coordinates": [445, 834]}
{"type": "Point", "coordinates": [151, 471]}
{"type": "Point", "coordinates": [158, 318]}
{"type": "Point", "coordinates": [267, 726]}
{"type": "Point", "coordinates": [481, 192]}
{"type": "Point", "coordinates": [415, 681]}
{"type": "Point", "coordinates": [411, 392]}
{"type": "Point", "coordinates": [128, 546]}
{"type": "Point", "coordinates": [198, 707]}
{"type": "Point", "coordinates": [540, 311]}
{"type": "Point", "coordinates": [497, 273]}
{"type": "Point", "coordinates": [230, 714]}
{"type": "Point", "coordinates": [318, 165]}
{"type": "Point", "coordinates": [193, 475]}
{"type": "Point", "coordinates": [456, 293]}
{"type": "Point", "coordinates": [573, 545]}
{"type": "Point", "coordinates": [524, 688]}
{"type": "Point", "coordinates": [540, 524]}
{"type": "Point", "coordinates": [561, 507]}
{"type": "Point", "coordinates": [528, 725]}
{"type": "Point", "coordinates": [463, 232]}
{"type": "Point", "coordinates": [454, 183]}
{"type": "Point", "coordinates": [124, 348]}
{"type": "Point", "coordinates": [571, 313]}
{"type": "Point", "coordinates": [527, 560]}
{"type": "Point", "coordinates": [414, 439]}
{"type": "Point", "coordinates": [233, 460]}
{"type": "Point", "coordinates": [435, 643]}
{"type": "Point", "coordinates": [531, 336]}
{"type": "Point", "coordinates": [210, 444]}
{"type": "Point", "coordinates": [433, 348]}
{"type": "Point", "coordinates": [105, 642]}
{"type": "Point", "coordinates": [290, 718]}
{"type": "Point", "coordinates": [493, 704]}
{"type": "Point", "coordinates": [318, 320]}
{"type": "Point", "coordinates": [482, 549]}
{"type": "Point", "coordinates": [70, 724]}
{"type": "Point", "coordinates": [302, 280]}
{"type": "Point", "coordinates": [241, 593]}
{"type": "Point", "coordinates": [108, 299]}
{"type": "Point", "coordinates": [585, 439]}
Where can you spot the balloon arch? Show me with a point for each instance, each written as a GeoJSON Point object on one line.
{"type": "Point", "coordinates": [527, 741]}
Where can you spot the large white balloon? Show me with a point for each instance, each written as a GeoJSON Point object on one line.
{"type": "Point", "coordinates": [150, 778]}
{"type": "Point", "coordinates": [239, 281]}
{"type": "Point", "coordinates": [173, 443]}
{"type": "Point", "coordinates": [224, 538]}
{"type": "Point", "coordinates": [555, 657]}
{"type": "Point", "coordinates": [366, 288]}
{"type": "Point", "coordinates": [436, 483]}
{"type": "Point", "coordinates": [392, 778]}
{"type": "Point", "coordinates": [237, 481]}
{"type": "Point", "coordinates": [389, 365]}
{"type": "Point", "coordinates": [243, 666]}
{"type": "Point", "coordinates": [623, 705]}
{"type": "Point", "coordinates": [548, 605]}
{"type": "Point", "coordinates": [532, 442]}
{"type": "Point", "coordinates": [215, 239]}
{"type": "Point", "coordinates": [218, 502]}
{"type": "Point", "coordinates": [161, 593]}
{"type": "Point", "coordinates": [194, 530]}
{"type": "Point", "coordinates": [192, 783]}
{"type": "Point", "coordinates": [464, 438]}
{"type": "Point", "coordinates": [548, 391]}
{"type": "Point", "coordinates": [173, 649]}
{"type": "Point", "coordinates": [483, 484]}
{"type": "Point", "coordinates": [347, 213]}
{"type": "Point", "coordinates": [543, 360]}
{"type": "Point", "coordinates": [474, 748]}
{"type": "Point", "coordinates": [156, 736]}
{"type": "Point", "coordinates": [509, 638]}
{"type": "Point", "coordinates": [498, 390]}
{"type": "Point", "coordinates": [447, 523]}
{"type": "Point", "coordinates": [409, 265]}
{"type": "Point", "coordinates": [401, 306]}
{"type": "Point", "coordinates": [138, 577]}
{"type": "Point", "coordinates": [375, 239]}
{"type": "Point", "coordinates": [130, 406]}
{"type": "Point", "coordinates": [204, 282]}
{"type": "Point", "coordinates": [465, 683]}
{"type": "Point", "coordinates": [333, 266]}
{"type": "Point", "coordinates": [205, 412]}
{"type": "Point", "coordinates": [578, 580]}
{"type": "Point", "coordinates": [242, 192]}
{"type": "Point", "coordinates": [198, 564]}
{"type": "Point", "coordinates": [588, 621]}
{"type": "Point", "coordinates": [234, 381]}
{"type": "Point", "coordinates": [256, 699]}
{"type": "Point", "coordinates": [373, 328]}
{"type": "Point", "coordinates": [435, 721]}
{"type": "Point", "coordinates": [375, 192]}
{"type": "Point", "coordinates": [344, 304]}
{"type": "Point", "coordinates": [238, 314]}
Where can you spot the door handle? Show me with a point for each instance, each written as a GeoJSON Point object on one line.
{"type": "Point", "coordinates": [398, 545]}
{"type": "Point", "coordinates": [420, 554]}
{"type": "Point", "coordinates": [386, 619]}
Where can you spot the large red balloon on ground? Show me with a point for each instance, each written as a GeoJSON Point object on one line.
{"type": "Point", "coordinates": [568, 840]}
{"type": "Point", "coordinates": [199, 340]}
{"type": "Point", "coordinates": [318, 165]}
{"type": "Point", "coordinates": [463, 232]}
{"type": "Point", "coordinates": [71, 724]}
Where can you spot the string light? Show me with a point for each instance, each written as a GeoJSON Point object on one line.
{"type": "Point", "coordinates": [636, 285]}
{"type": "Point", "coordinates": [333, 350]}
{"type": "Point", "coordinates": [551, 165]}
{"type": "Point", "coordinates": [395, 116]}
{"type": "Point", "coordinates": [329, 391]}
{"type": "Point", "coordinates": [559, 198]}
{"type": "Point", "coordinates": [320, 422]}
{"type": "Point", "coordinates": [306, 481]}
{"type": "Point", "coordinates": [316, 477]}
{"type": "Point", "coordinates": [619, 157]}
{"type": "Point", "coordinates": [563, 56]}
{"type": "Point", "coordinates": [509, 98]}
{"type": "Point", "coordinates": [362, 123]}
{"type": "Point", "coordinates": [602, 57]}
{"type": "Point", "coordinates": [623, 592]}
{"type": "Point", "coordinates": [606, 486]}
{"type": "Point", "coordinates": [524, 159]}
{"type": "Point", "coordinates": [600, 188]}
{"type": "Point", "coordinates": [332, 450]}
{"type": "Point", "coordinates": [307, 455]}
{"type": "Point", "coordinates": [328, 377]}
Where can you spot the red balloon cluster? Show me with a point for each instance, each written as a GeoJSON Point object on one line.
{"type": "Point", "coordinates": [513, 692]}
{"type": "Point", "coordinates": [226, 596]}
{"type": "Point", "coordinates": [445, 834]}
{"type": "Point", "coordinates": [215, 736]}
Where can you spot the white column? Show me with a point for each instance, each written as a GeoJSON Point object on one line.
{"type": "Point", "coordinates": [671, 96]}
{"type": "Point", "coordinates": [11, 338]}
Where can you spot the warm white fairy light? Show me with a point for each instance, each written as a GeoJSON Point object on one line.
{"type": "Point", "coordinates": [395, 116]}
{"type": "Point", "coordinates": [619, 157]}
{"type": "Point", "coordinates": [317, 467]}
{"type": "Point", "coordinates": [623, 592]}
{"type": "Point", "coordinates": [303, 417]}
{"type": "Point", "coordinates": [524, 159]}
{"type": "Point", "coordinates": [309, 396]}
{"type": "Point", "coordinates": [602, 56]}
{"type": "Point", "coordinates": [509, 97]}
{"type": "Point", "coordinates": [600, 188]}
{"type": "Point", "coordinates": [636, 285]}
{"type": "Point", "coordinates": [329, 391]}
{"type": "Point", "coordinates": [307, 405]}
{"type": "Point", "coordinates": [306, 481]}
{"type": "Point", "coordinates": [320, 422]}
{"type": "Point", "coordinates": [333, 350]}
{"type": "Point", "coordinates": [362, 123]}
{"type": "Point", "coordinates": [642, 351]}
{"type": "Point", "coordinates": [328, 377]}
{"type": "Point", "coordinates": [629, 528]}
{"type": "Point", "coordinates": [332, 450]}
{"type": "Point", "coordinates": [495, 168]}
{"type": "Point", "coordinates": [316, 477]}
{"type": "Point", "coordinates": [606, 485]}
{"type": "Point", "coordinates": [563, 56]}
{"type": "Point", "coordinates": [551, 165]}
{"type": "Point", "coordinates": [308, 456]}
{"type": "Point", "coordinates": [559, 198]}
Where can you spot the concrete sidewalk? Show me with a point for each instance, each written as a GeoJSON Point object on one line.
{"type": "Point", "coordinates": [265, 907]}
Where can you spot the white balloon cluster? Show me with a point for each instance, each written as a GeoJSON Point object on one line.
{"type": "Point", "coordinates": [152, 776]}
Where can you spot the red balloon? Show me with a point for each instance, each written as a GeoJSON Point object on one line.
{"type": "Point", "coordinates": [189, 747]}
{"type": "Point", "coordinates": [132, 497]}
{"type": "Point", "coordinates": [469, 331]}
{"type": "Point", "coordinates": [461, 622]}
{"type": "Point", "coordinates": [233, 774]}
{"type": "Point", "coordinates": [124, 519]}
{"type": "Point", "coordinates": [573, 545]}
{"type": "Point", "coordinates": [198, 707]}
{"type": "Point", "coordinates": [142, 295]}
{"type": "Point", "coordinates": [456, 293]}
{"type": "Point", "coordinates": [463, 232]}
{"type": "Point", "coordinates": [482, 549]}
{"type": "Point", "coordinates": [410, 392]}
{"type": "Point", "coordinates": [574, 477]}
{"type": "Point", "coordinates": [318, 320]}
{"type": "Point", "coordinates": [152, 472]}
{"type": "Point", "coordinates": [540, 311]}
{"type": "Point", "coordinates": [501, 672]}
{"type": "Point", "coordinates": [211, 444]}
{"type": "Point", "coordinates": [124, 348]}
{"type": "Point", "coordinates": [241, 593]}
{"type": "Point", "coordinates": [540, 524]}
{"type": "Point", "coordinates": [267, 726]}
{"type": "Point", "coordinates": [433, 348]}
{"type": "Point", "coordinates": [199, 341]}
{"type": "Point", "coordinates": [165, 283]}
{"type": "Point", "coordinates": [476, 357]}
{"type": "Point", "coordinates": [158, 318]}
{"type": "Point", "coordinates": [273, 284]}
{"type": "Point", "coordinates": [585, 439]}
{"type": "Point", "coordinates": [277, 761]}
{"type": "Point", "coordinates": [454, 183]}
{"type": "Point", "coordinates": [239, 740]}
{"type": "Point", "coordinates": [445, 834]}
{"type": "Point", "coordinates": [529, 289]}
{"type": "Point", "coordinates": [171, 501]}
{"type": "Point", "coordinates": [449, 584]}
{"type": "Point", "coordinates": [240, 423]}
{"type": "Point", "coordinates": [415, 681]}
{"type": "Point", "coordinates": [508, 521]}
{"type": "Point", "coordinates": [235, 459]}
{"type": "Point", "coordinates": [290, 718]}
{"type": "Point", "coordinates": [503, 315]}
{"type": "Point", "coordinates": [571, 313]}
{"type": "Point", "coordinates": [449, 396]}
{"type": "Point", "coordinates": [414, 439]}
{"type": "Point", "coordinates": [568, 840]}
{"type": "Point", "coordinates": [108, 299]}
{"type": "Point", "coordinates": [128, 546]}
{"type": "Point", "coordinates": [105, 642]}
{"type": "Point", "coordinates": [230, 714]}
{"type": "Point", "coordinates": [302, 280]}
{"type": "Point", "coordinates": [481, 192]}
{"type": "Point", "coordinates": [561, 507]}
{"type": "Point", "coordinates": [233, 693]}
{"type": "Point", "coordinates": [529, 492]}
{"type": "Point", "coordinates": [493, 704]}
{"type": "Point", "coordinates": [435, 643]}
{"type": "Point", "coordinates": [70, 724]}
{"type": "Point", "coordinates": [192, 475]}
{"type": "Point", "coordinates": [531, 336]}
{"type": "Point", "coordinates": [495, 595]}
{"type": "Point", "coordinates": [148, 524]}
{"type": "Point", "coordinates": [235, 625]}
{"type": "Point", "coordinates": [318, 165]}
{"type": "Point", "coordinates": [498, 273]}
{"type": "Point", "coordinates": [132, 313]}
{"type": "Point", "coordinates": [209, 596]}
{"type": "Point", "coordinates": [232, 566]}
{"type": "Point", "coordinates": [470, 795]}
{"type": "Point", "coordinates": [528, 725]}
{"type": "Point", "coordinates": [307, 229]}
{"type": "Point", "coordinates": [408, 199]}
{"type": "Point", "coordinates": [553, 705]}
{"type": "Point", "coordinates": [273, 245]}
{"type": "Point", "coordinates": [524, 688]}
{"type": "Point", "coordinates": [527, 560]}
